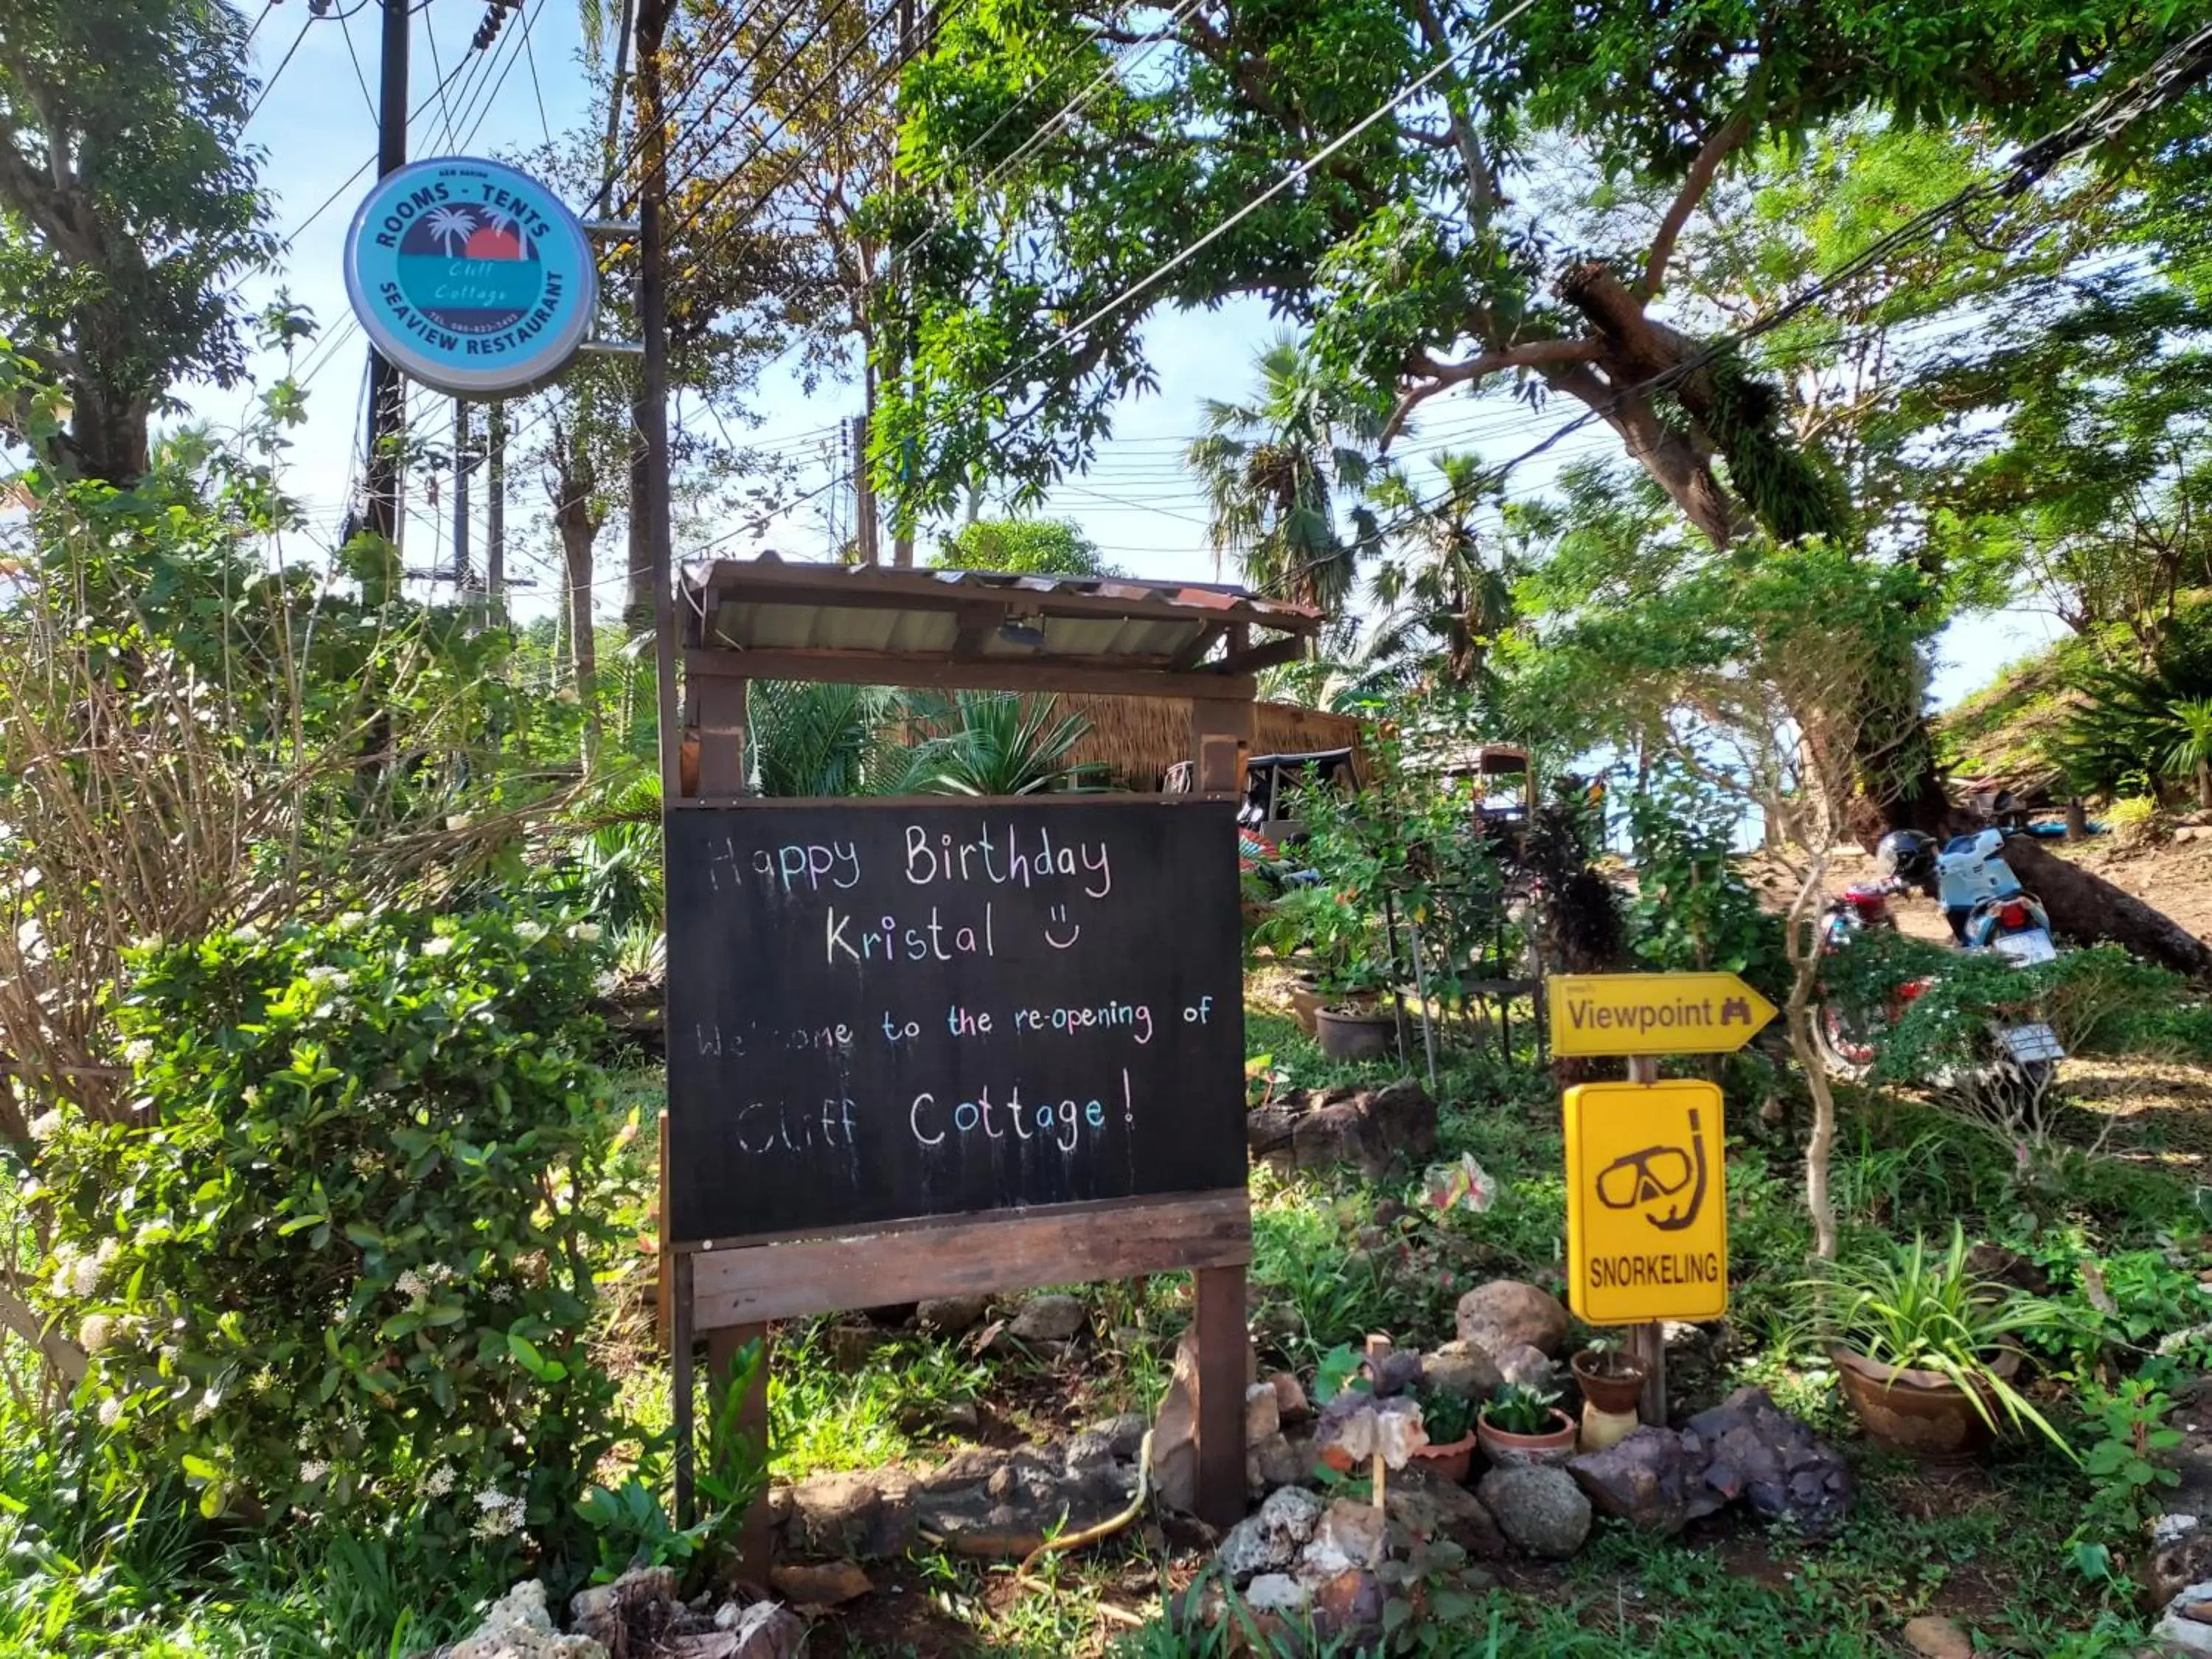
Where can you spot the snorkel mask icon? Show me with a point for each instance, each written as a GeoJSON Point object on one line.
{"type": "Point", "coordinates": [1656, 1175]}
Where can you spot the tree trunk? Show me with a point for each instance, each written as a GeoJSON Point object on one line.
{"type": "Point", "coordinates": [2204, 785]}
{"type": "Point", "coordinates": [579, 530]}
{"type": "Point", "coordinates": [1671, 459]}
{"type": "Point", "coordinates": [2086, 909]}
{"type": "Point", "coordinates": [107, 433]}
{"type": "Point", "coordinates": [1803, 945]}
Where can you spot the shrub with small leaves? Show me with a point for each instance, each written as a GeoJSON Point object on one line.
{"type": "Point", "coordinates": [341, 1256]}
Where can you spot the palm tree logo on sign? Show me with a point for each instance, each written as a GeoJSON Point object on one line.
{"type": "Point", "coordinates": [469, 269]}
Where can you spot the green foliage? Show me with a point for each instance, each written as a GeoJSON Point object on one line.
{"type": "Point", "coordinates": [1904, 1305]}
{"type": "Point", "coordinates": [634, 1529]}
{"type": "Point", "coordinates": [2126, 1431]}
{"type": "Point", "coordinates": [1692, 910]}
{"type": "Point", "coordinates": [341, 1257]}
{"type": "Point", "coordinates": [126, 236]}
{"type": "Point", "coordinates": [1447, 1417]}
{"type": "Point", "coordinates": [1337, 1371]}
{"type": "Point", "coordinates": [1027, 547]}
{"type": "Point", "coordinates": [1517, 1408]}
{"type": "Point", "coordinates": [2126, 720]}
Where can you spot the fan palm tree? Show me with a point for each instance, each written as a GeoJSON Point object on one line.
{"type": "Point", "coordinates": [2190, 753]}
{"type": "Point", "coordinates": [1443, 602]}
{"type": "Point", "coordinates": [1273, 468]}
{"type": "Point", "coordinates": [813, 739]}
{"type": "Point", "coordinates": [995, 744]}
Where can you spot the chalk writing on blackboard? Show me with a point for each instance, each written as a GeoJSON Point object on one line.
{"type": "Point", "coordinates": [906, 1010]}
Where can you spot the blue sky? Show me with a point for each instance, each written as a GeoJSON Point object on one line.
{"type": "Point", "coordinates": [317, 127]}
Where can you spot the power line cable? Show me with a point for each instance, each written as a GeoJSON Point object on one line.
{"type": "Point", "coordinates": [276, 75]}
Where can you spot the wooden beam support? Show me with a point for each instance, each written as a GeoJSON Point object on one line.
{"type": "Point", "coordinates": [721, 703]}
{"type": "Point", "coordinates": [1223, 1369]}
{"type": "Point", "coordinates": [1194, 653]}
{"type": "Point", "coordinates": [977, 622]}
{"type": "Point", "coordinates": [1252, 660]}
{"type": "Point", "coordinates": [1043, 673]}
{"type": "Point", "coordinates": [1222, 733]}
{"type": "Point", "coordinates": [1067, 1244]}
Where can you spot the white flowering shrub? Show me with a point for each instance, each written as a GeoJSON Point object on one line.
{"type": "Point", "coordinates": [342, 1253]}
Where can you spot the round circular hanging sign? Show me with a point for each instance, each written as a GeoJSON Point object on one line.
{"type": "Point", "coordinates": [470, 277]}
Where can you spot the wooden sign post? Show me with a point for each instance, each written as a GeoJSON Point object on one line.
{"type": "Point", "coordinates": [920, 1048]}
{"type": "Point", "coordinates": [1647, 1173]}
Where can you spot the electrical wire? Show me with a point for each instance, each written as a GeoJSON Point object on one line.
{"type": "Point", "coordinates": [277, 74]}
{"type": "Point", "coordinates": [537, 86]}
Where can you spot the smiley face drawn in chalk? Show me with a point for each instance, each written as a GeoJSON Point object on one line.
{"type": "Point", "coordinates": [1058, 914]}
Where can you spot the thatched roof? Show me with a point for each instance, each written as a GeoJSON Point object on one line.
{"type": "Point", "coordinates": [1138, 738]}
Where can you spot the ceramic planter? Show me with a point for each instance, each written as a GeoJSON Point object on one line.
{"type": "Point", "coordinates": [1306, 999]}
{"type": "Point", "coordinates": [1922, 1414]}
{"type": "Point", "coordinates": [1507, 1450]}
{"type": "Point", "coordinates": [1355, 1034]}
{"type": "Point", "coordinates": [1613, 1382]}
{"type": "Point", "coordinates": [1452, 1461]}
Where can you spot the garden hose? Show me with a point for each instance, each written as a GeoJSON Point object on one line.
{"type": "Point", "coordinates": [1075, 1540]}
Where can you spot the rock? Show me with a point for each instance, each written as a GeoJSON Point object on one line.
{"type": "Point", "coordinates": [1648, 1480]}
{"type": "Point", "coordinates": [2188, 1633]}
{"type": "Point", "coordinates": [1292, 1405]}
{"type": "Point", "coordinates": [2180, 1555]}
{"type": "Point", "coordinates": [766, 1630]}
{"type": "Point", "coordinates": [870, 1514]}
{"type": "Point", "coordinates": [1348, 1534]}
{"type": "Point", "coordinates": [1528, 1366]}
{"type": "Point", "coordinates": [1125, 1434]}
{"type": "Point", "coordinates": [991, 1503]}
{"type": "Point", "coordinates": [1270, 1540]}
{"type": "Point", "coordinates": [1275, 1592]}
{"type": "Point", "coordinates": [1938, 1637]}
{"type": "Point", "coordinates": [1754, 1449]}
{"type": "Point", "coordinates": [1263, 1413]}
{"type": "Point", "coordinates": [1273, 1462]}
{"type": "Point", "coordinates": [779, 1507]}
{"type": "Point", "coordinates": [631, 1615]}
{"type": "Point", "coordinates": [1056, 1318]}
{"type": "Point", "coordinates": [1175, 1432]}
{"type": "Point", "coordinates": [1347, 1605]}
{"type": "Point", "coordinates": [1462, 1369]}
{"type": "Point", "coordinates": [830, 1585]}
{"type": "Point", "coordinates": [943, 1316]}
{"type": "Point", "coordinates": [1507, 1312]}
{"type": "Point", "coordinates": [1539, 1508]}
{"type": "Point", "coordinates": [519, 1627]}
{"type": "Point", "coordinates": [1998, 1265]}
{"type": "Point", "coordinates": [1310, 1129]}
{"type": "Point", "coordinates": [1424, 1504]}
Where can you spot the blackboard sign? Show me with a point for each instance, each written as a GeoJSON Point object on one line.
{"type": "Point", "coordinates": [898, 1010]}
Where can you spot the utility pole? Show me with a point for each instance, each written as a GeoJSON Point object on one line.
{"type": "Point", "coordinates": [496, 516]}
{"type": "Point", "coordinates": [462, 574]}
{"type": "Point", "coordinates": [387, 408]}
{"type": "Point", "coordinates": [649, 477]}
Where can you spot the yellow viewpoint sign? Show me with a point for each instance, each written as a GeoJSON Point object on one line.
{"type": "Point", "coordinates": [1647, 1202]}
{"type": "Point", "coordinates": [1653, 1013]}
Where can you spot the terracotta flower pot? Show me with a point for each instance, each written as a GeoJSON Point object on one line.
{"type": "Point", "coordinates": [1452, 1461]}
{"type": "Point", "coordinates": [1508, 1449]}
{"type": "Point", "coordinates": [1306, 999]}
{"type": "Point", "coordinates": [1611, 1382]}
{"type": "Point", "coordinates": [1921, 1413]}
{"type": "Point", "coordinates": [1361, 1034]}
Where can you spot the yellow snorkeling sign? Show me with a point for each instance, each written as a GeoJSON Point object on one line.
{"type": "Point", "coordinates": [1647, 1202]}
{"type": "Point", "coordinates": [1653, 1013]}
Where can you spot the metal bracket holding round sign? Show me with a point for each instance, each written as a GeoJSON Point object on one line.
{"type": "Point", "coordinates": [470, 277]}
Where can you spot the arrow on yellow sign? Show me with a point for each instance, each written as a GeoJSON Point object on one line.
{"type": "Point", "coordinates": [1655, 1013]}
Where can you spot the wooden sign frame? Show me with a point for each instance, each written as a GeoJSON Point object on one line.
{"type": "Point", "coordinates": [727, 1293]}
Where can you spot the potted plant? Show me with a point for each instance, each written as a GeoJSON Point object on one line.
{"type": "Point", "coordinates": [1521, 1425]}
{"type": "Point", "coordinates": [1927, 1353]}
{"type": "Point", "coordinates": [1611, 1380]}
{"type": "Point", "coordinates": [1450, 1419]}
{"type": "Point", "coordinates": [1353, 1022]}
